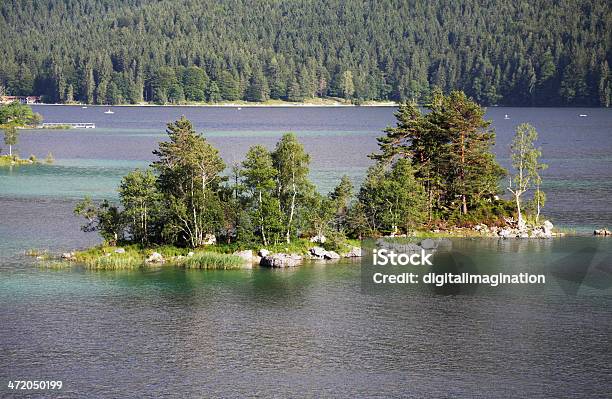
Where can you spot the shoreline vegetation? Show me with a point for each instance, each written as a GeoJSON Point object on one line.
{"type": "Point", "coordinates": [133, 256]}
{"type": "Point", "coordinates": [14, 160]}
{"type": "Point", "coordinates": [313, 102]}
{"type": "Point", "coordinates": [14, 117]}
{"type": "Point", "coordinates": [434, 176]}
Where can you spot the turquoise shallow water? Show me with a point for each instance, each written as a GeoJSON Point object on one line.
{"type": "Point", "coordinates": [311, 331]}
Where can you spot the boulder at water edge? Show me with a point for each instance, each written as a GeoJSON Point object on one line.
{"type": "Point", "coordinates": [246, 255]}
{"type": "Point", "coordinates": [281, 260]}
{"type": "Point", "coordinates": [355, 252]}
{"type": "Point", "coordinates": [331, 255]}
{"type": "Point", "coordinates": [155, 257]}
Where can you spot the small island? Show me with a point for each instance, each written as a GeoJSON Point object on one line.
{"type": "Point", "coordinates": [434, 176]}
{"type": "Point", "coordinates": [15, 116]}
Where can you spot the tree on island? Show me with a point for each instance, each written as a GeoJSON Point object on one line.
{"type": "Point", "coordinates": [259, 175]}
{"type": "Point", "coordinates": [393, 199]}
{"type": "Point", "coordinates": [142, 201]}
{"type": "Point", "coordinates": [341, 196]}
{"type": "Point", "coordinates": [450, 150]}
{"type": "Point", "coordinates": [539, 197]}
{"type": "Point", "coordinates": [105, 218]}
{"type": "Point", "coordinates": [13, 116]}
{"type": "Point", "coordinates": [525, 160]}
{"type": "Point", "coordinates": [189, 170]}
{"type": "Point", "coordinates": [292, 184]}
{"type": "Point", "coordinates": [434, 167]}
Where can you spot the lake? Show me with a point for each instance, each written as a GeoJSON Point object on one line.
{"type": "Point", "coordinates": [314, 330]}
{"type": "Point", "coordinates": [578, 149]}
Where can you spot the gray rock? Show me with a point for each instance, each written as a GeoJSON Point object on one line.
{"type": "Point", "coordinates": [263, 252]}
{"type": "Point", "coordinates": [355, 252]}
{"type": "Point", "coordinates": [602, 232]}
{"type": "Point", "coordinates": [246, 255]}
{"type": "Point", "coordinates": [281, 260]}
{"type": "Point", "coordinates": [318, 252]}
{"type": "Point", "coordinates": [119, 251]}
{"type": "Point", "coordinates": [397, 247]}
{"type": "Point", "coordinates": [505, 233]}
{"type": "Point", "coordinates": [190, 254]}
{"type": "Point", "coordinates": [331, 255]}
{"type": "Point", "coordinates": [547, 226]}
{"type": "Point", "coordinates": [428, 243]}
{"type": "Point", "coordinates": [155, 257]}
{"type": "Point", "coordinates": [408, 247]}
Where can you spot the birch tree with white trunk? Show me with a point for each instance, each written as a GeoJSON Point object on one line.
{"type": "Point", "coordinates": [524, 157]}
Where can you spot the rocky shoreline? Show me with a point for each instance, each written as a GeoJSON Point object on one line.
{"type": "Point", "coordinates": [510, 229]}
{"type": "Point", "coordinates": [265, 258]}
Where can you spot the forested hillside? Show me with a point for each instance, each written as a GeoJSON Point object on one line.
{"type": "Point", "coordinates": [526, 53]}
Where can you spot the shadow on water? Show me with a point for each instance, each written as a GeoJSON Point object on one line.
{"type": "Point", "coordinates": [264, 286]}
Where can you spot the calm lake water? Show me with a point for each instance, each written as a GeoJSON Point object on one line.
{"type": "Point", "coordinates": [578, 149]}
{"type": "Point", "coordinates": [311, 331]}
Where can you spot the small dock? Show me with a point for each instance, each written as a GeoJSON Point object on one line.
{"type": "Point", "coordinates": [74, 125]}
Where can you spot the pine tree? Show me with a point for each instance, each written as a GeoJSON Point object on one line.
{"type": "Point", "coordinates": [189, 169]}
{"type": "Point", "coordinates": [228, 87]}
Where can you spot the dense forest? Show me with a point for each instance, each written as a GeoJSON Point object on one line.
{"type": "Point", "coordinates": [526, 53]}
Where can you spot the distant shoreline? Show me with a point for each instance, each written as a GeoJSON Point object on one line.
{"type": "Point", "coordinates": [275, 104]}
{"type": "Point", "coordinates": [370, 104]}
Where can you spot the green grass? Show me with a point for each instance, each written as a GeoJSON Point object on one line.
{"type": "Point", "coordinates": [105, 258]}
{"type": "Point", "coordinates": [297, 246]}
{"type": "Point", "coordinates": [115, 262]}
{"type": "Point", "coordinates": [7, 160]}
{"type": "Point", "coordinates": [218, 256]}
{"type": "Point", "coordinates": [463, 233]}
{"type": "Point", "coordinates": [212, 260]}
{"type": "Point", "coordinates": [56, 127]}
